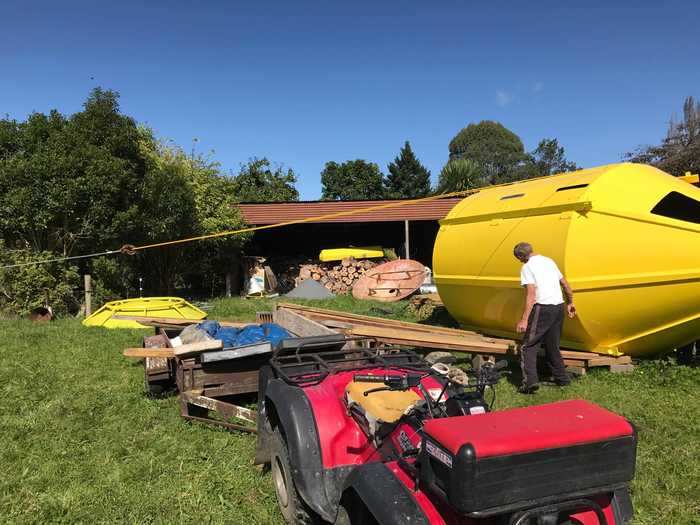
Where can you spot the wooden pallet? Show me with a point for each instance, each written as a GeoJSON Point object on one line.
{"type": "Point", "coordinates": [436, 337]}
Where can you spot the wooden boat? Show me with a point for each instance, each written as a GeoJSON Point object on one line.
{"type": "Point", "coordinates": [626, 236]}
{"type": "Point", "coordinates": [390, 281]}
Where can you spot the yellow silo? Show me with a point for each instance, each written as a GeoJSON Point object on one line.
{"type": "Point", "coordinates": [626, 236]}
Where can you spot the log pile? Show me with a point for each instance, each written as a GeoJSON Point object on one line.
{"type": "Point", "coordinates": [337, 276]}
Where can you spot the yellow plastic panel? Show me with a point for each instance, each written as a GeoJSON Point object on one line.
{"type": "Point", "coordinates": [636, 275]}
{"type": "Point", "coordinates": [361, 252]}
{"type": "Point", "coordinates": [172, 307]}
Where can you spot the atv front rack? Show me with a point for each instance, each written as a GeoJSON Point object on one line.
{"type": "Point", "coordinates": [299, 366]}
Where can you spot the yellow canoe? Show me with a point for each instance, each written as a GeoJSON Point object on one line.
{"type": "Point", "coordinates": [626, 236]}
{"type": "Point", "coordinates": [360, 252]}
{"type": "Point", "coordinates": [172, 307]}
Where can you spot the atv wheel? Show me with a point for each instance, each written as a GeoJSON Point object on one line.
{"type": "Point", "coordinates": [294, 510]}
{"type": "Point", "coordinates": [353, 512]}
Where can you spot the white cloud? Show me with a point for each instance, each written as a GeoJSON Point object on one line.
{"type": "Point", "coordinates": [537, 87]}
{"type": "Point", "coordinates": [503, 98]}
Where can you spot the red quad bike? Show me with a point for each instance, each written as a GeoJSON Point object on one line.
{"type": "Point", "coordinates": [377, 436]}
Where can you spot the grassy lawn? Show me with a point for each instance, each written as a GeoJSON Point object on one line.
{"type": "Point", "coordinates": [81, 444]}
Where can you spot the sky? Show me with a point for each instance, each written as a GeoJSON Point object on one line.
{"type": "Point", "coordinates": [303, 83]}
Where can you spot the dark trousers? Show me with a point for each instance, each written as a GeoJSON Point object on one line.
{"type": "Point", "coordinates": [543, 327]}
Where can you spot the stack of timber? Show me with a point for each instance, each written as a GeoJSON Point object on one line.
{"type": "Point", "coordinates": [435, 337]}
{"type": "Point", "coordinates": [338, 276]}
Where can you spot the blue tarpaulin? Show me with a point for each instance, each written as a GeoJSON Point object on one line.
{"type": "Point", "coordinates": [233, 337]}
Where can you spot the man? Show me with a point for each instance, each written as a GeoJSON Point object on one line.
{"type": "Point", "coordinates": [543, 316]}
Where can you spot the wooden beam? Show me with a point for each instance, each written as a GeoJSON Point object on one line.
{"type": "Point", "coordinates": [197, 348]}
{"type": "Point", "coordinates": [407, 240]}
{"type": "Point", "coordinates": [314, 313]}
{"type": "Point", "coordinates": [430, 340]}
{"type": "Point", "coordinates": [299, 325]}
{"type": "Point", "coordinates": [227, 410]}
{"type": "Point", "coordinates": [149, 352]}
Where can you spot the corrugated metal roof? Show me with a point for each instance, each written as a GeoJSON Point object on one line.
{"type": "Point", "coordinates": [260, 214]}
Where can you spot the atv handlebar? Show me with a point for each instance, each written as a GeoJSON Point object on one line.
{"type": "Point", "coordinates": [392, 381]}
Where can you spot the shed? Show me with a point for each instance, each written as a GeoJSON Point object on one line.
{"type": "Point", "coordinates": [409, 228]}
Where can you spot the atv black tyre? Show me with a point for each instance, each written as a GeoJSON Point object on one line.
{"type": "Point", "coordinates": [293, 508]}
{"type": "Point", "coordinates": [353, 512]}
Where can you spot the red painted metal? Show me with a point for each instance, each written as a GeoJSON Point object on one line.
{"type": "Point", "coordinates": [261, 214]}
{"type": "Point", "coordinates": [344, 443]}
{"type": "Point", "coordinates": [521, 430]}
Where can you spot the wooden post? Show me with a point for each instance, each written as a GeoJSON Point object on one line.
{"type": "Point", "coordinates": [407, 241]}
{"type": "Point", "coordinates": [88, 295]}
{"type": "Point", "coordinates": [228, 284]}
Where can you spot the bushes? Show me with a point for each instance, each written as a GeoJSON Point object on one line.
{"type": "Point", "coordinates": [27, 287]}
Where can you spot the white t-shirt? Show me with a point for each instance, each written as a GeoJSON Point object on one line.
{"type": "Point", "coordinates": [545, 275]}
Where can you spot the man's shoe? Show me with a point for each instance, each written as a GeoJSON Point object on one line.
{"type": "Point", "coordinates": [528, 389]}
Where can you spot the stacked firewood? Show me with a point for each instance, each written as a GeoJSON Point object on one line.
{"type": "Point", "coordinates": [337, 276]}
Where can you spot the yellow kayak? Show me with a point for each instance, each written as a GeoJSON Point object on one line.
{"type": "Point", "coordinates": [626, 236]}
{"type": "Point", "coordinates": [360, 252]}
{"type": "Point", "coordinates": [172, 307]}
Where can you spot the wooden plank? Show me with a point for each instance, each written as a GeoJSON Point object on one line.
{"type": "Point", "coordinates": [221, 407]}
{"type": "Point", "coordinates": [345, 316]}
{"type": "Point", "coordinates": [149, 352]}
{"type": "Point", "coordinates": [606, 361]}
{"type": "Point", "coordinates": [428, 340]}
{"type": "Point", "coordinates": [342, 320]}
{"type": "Point", "coordinates": [361, 319]}
{"type": "Point", "coordinates": [197, 348]}
{"type": "Point", "coordinates": [300, 325]}
{"type": "Point", "coordinates": [351, 322]}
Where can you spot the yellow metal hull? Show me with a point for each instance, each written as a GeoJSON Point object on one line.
{"type": "Point", "coordinates": [360, 252]}
{"type": "Point", "coordinates": [171, 307]}
{"type": "Point", "coordinates": [635, 274]}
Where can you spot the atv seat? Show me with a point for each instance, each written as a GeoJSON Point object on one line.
{"type": "Point", "coordinates": [386, 406]}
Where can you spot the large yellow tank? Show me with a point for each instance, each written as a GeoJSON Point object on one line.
{"type": "Point", "coordinates": [634, 269]}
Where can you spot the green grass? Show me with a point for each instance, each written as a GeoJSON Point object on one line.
{"type": "Point", "coordinates": [81, 444]}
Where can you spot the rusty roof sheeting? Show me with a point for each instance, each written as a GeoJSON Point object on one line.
{"type": "Point", "coordinates": [260, 214]}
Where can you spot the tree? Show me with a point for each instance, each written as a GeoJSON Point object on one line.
{"type": "Point", "coordinates": [679, 152]}
{"type": "Point", "coordinates": [95, 180]}
{"type": "Point", "coordinates": [495, 149]}
{"type": "Point", "coordinates": [459, 175]}
{"type": "Point", "coordinates": [352, 180]}
{"type": "Point", "coordinates": [258, 182]}
{"type": "Point", "coordinates": [549, 158]}
{"type": "Point", "coordinates": [407, 177]}
{"type": "Point", "coordinates": [63, 180]}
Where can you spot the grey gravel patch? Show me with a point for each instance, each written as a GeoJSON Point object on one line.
{"type": "Point", "coordinates": [310, 289]}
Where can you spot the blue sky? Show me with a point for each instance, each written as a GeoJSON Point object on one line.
{"type": "Point", "coordinates": [303, 83]}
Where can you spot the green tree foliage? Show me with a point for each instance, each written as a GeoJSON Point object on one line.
{"type": "Point", "coordinates": [258, 181]}
{"type": "Point", "coordinates": [497, 151]}
{"type": "Point", "coordinates": [459, 175]}
{"type": "Point", "coordinates": [27, 287]}
{"type": "Point", "coordinates": [679, 152]}
{"type": "Point", "coordinates": [64, 180]}
{"type": "Point", "coordinates": [95, 180]}
{"type": "Point", "coordinates": [549, 158]}
{"type": "Point", "coordinates": [352, 180]}
{"type": "Point", "coordinates": [407, 177]}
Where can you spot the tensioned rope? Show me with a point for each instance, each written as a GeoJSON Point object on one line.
{"type": "Point", "coordinates": [130, 249]}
